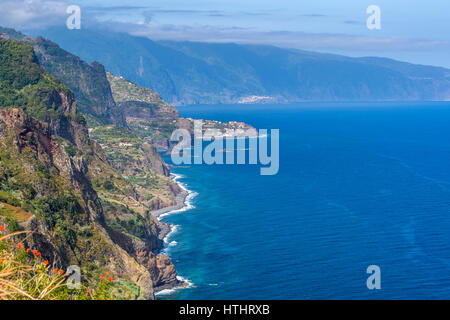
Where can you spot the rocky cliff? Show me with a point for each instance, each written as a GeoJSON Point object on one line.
{"type": "Point", "coordinates": [147, 114]}
{"type": "Point", "coordinates": [52, 169]}
{"type": "Point", "coordinates": [88, 82]}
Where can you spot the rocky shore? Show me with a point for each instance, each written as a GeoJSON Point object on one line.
{"type": "Point", "coordinates": [166, 228]}
{"type": "Point", "coordinates": [180, 204]}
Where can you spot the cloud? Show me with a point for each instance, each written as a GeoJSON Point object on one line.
{"type": "Point", "coordinates": [32, 13]}
{"type": "Point", "coordinates": [352, 22]}
{"type": "Point", "coordinates": [148, 16]}
{"type": "Point", "coordinates": [287, 39]}
{"type": "Point", "coordinates": [35, 14]}
{"type": "Point", "coordinates": [105, 9]}
{"type": "Point", "coordinates": [314, 15]}
{"type": "Point", "coordinates": [246, 13]}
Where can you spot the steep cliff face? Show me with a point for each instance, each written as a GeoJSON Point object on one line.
{"type": "Point", "coordinates": [140, 102]}
{"type": "Point", "coordinates": [47, 165]}
{"type": "Point", "coordinates": [88, 82]}
{"type": "Point", "coordinates": [38, 169]}
{"type": "Point", "coordinates": [147, 114]}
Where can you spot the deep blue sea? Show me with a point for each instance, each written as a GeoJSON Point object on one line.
{"type": "Point", "coordinates": [359, 184]}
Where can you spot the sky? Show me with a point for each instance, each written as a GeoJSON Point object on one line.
{"type": "Point", "coordinates": [417, 31]}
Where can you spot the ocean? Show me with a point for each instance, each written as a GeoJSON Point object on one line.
{"type": "Point", "coordinates": [359, 184]}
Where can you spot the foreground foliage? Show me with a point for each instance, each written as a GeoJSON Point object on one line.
{"type": "Point", "coordinates": [25, 275]}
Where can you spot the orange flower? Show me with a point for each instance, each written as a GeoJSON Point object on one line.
{"type": "Point", "coordinates": [110, 278]}
{"type": "Point", "coordinates": [106, 273]}
{"type": "Point", "coordinates": [28, 250]}
{"type": "Point", "coordinates": [12, 241]}
{"type": "Point", "coordinates": [101, 277]}
{"type": "Point", "coordinates": [87, 292]}
{"type": "Point", "coordinates": [1, 261]}
{"type": "Point", "coordinates": [20, 246]}
{"type": "Point", "coordinates": [61, 272]}
{"type": "Point", "coordinates": [2, 228]}
{"type": "Point", "coordinates": [46, 262]}
{"type": "Point", "coordinates": [55, 270]}
{"type": "Point", "coordinates": [36, 253]}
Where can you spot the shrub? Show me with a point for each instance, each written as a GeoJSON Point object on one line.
{"type": "Point", "coordinates": [108, 185]}
{"type": "Point", "coordinates": [71, 150]}
{"type": "Point", "coordinates": [25, 275]}
{"type": "Point", "coordinates": [9, 199]}
{"type": "Point", "coordinates": [13, 225]}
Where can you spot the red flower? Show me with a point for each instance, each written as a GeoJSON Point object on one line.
{"type": "Point", "coordinates": [2, 228]}
{"type": "Point", "coordinates": [110, 278]}
{"type": "Point", "coordinates": [61, 272]}
{"type": "Point", "coordinates": [46, 262]}
{"type": "Point", "coordinates": [55, 270]}
{"type": "Point", "coordinates": [28, 250]}
{"type": "Point", "coordinates": [36, 253]}
{"type": "Point", "coordinates": [101, 277]}
{"type": "Point", "coordinates": [87, 292]}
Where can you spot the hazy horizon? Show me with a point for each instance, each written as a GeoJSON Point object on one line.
{"type": "Point", "coordinates": [412, 31]}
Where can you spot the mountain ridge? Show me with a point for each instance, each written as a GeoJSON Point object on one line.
{"type": "Point", "coordinates": [212, 73]}
{"type": "Point", "coordinates": [88, 82]}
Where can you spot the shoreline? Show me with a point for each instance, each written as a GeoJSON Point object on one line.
{"type": "Point", "coordinates": [180, 204]}
{"type": "Point", "coordinates": [167, 229]}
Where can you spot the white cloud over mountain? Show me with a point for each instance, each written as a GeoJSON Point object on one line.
{"type": "Point", "coordinates": [32, 13]}
{"type": "Point", "coordinates": [144, 20]}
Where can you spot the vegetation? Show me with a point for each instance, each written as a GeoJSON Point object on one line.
{"type": "Point", "coordinates": [25, 275]}
{"type": "Point", "coordinates": [24, 84]}
{"type": "Point", "coordinates": [72, 192]}
{"type": "Point", "coordinates": [147, 114]}
{"type": "Point", "coordinates": [16, 214]}
{"type": "Point", "coordinates": [137, 180]}
{"type": "Point", "coordinates": [124, 90]}
{"type": "Point", "coordinates": [88, 82]}
{"type": "Point", "coordinates": [57, 205]}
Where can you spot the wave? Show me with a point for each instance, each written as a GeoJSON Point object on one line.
{"type": "Point", "coordinates": [173, 243]}
{"type": "Point", "coordinates": [188, 284]}
{"type": "Point", "coordinates": [187, 200]}
{"type": "Point", "coordinates": [187, 205]}
{"type": "Point", "coordinates": [167, 243]}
